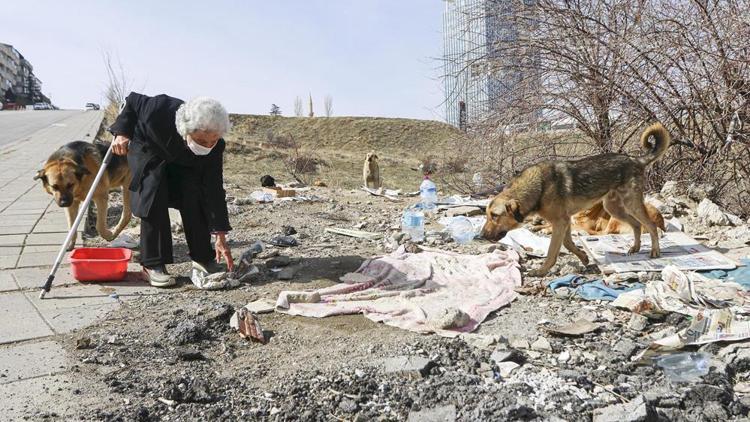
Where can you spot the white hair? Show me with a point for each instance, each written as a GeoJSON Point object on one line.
{"type": "Point", "coordinates": [202, 113]}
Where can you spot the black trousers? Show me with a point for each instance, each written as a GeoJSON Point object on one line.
{"type": "Point", "coordinates": [177, 189]}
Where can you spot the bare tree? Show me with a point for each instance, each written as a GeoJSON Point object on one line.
{"type": "Point", "coordinates": [298, 107]}
{"type": "Point", "coordinates": [117, 88]}
{"type": "Point", "coordinates": [310, 107]}
{"type": "Point", "coordinates": [609, 68]}
{"type": "Point", "coordinates": [328, 105]}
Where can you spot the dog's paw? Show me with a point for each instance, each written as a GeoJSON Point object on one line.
{"type": "Point", "coordinates": [108, 236]}
{"type": "Point", "coordinates": [537, 273]}
{"type": "Point", "coordinates": [584, 260]}
{"type": "Point", "coordinates": [655, 253]}
{"type": "Point", "coordinates": [633, 250]}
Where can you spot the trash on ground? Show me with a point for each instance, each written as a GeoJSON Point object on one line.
{"type": "Point", "coordinates": [354, 233]}
{"type": "Point", "coordinates": [739, 275]}
{"type": "Point", "coordinates": [267, 181]}
{"type": "Point", "coordinates": [525, 241]}
{"type": "Point", "coordinates": [412, 223]}
{"type": "Point", "coordinates": [248, 326]}
{"type": "Point", "coordinates": [610, 253]}
{"type": "Point", "coordinates": [416, 291]}
{"type": "Point", "coordinates": [124, 240]}
{"type": "Point", "coordinates": [279, 192]}
{"type": "Point", "coordinates": [577, 328]}
{"type": "Point", "coordinates": [283, 241]}
{"type": "Point", "coordinates": [464, 211]}
{"type": "Point", "coordinates": [461, 230]}
{"type": "Point", "coordinates": [261, 306]}
{"type": "Point", "coordinates": [709, 326]}
{"type": "Point", "coordinates": [684, 367]}
{"type": "Point", "coordinates": [593, 289]}
{"type": "Point", "coordinates": [389, 194]}
{"type": "Point", "coordinates": [462, 201]}
{"type": "Point", "coordinates": [687, 293]}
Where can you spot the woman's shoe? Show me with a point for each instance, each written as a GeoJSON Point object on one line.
{"type": "Point", "coordinates": [210, 267]}
{"type": "Point", "coordinates": [158, 276]}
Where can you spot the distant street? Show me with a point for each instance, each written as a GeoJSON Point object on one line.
{"type": "Point", "coordinates": [20, 125]}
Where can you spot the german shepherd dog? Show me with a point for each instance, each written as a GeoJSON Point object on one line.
{"type": "Point", "coordinates": [371, 171]}
{"type": "Point", "coordinates": [68, 174]}
{"type": "Point", "coordinates": [555, 190]}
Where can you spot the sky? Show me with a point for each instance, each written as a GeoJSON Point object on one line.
{"type": "Point", "coordinates": [373, 57]}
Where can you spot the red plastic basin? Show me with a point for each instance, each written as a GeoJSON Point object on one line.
{"type": "Point", "coordinates": [100, 264]}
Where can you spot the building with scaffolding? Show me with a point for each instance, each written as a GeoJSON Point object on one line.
{"type": "Point", "coordinates": [476, 83]}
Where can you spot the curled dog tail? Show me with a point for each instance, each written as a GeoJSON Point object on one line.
{"type": "Point", "coordinates": [660, 145]}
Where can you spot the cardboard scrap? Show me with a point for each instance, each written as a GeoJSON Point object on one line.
{"type": "Point", "coordinates": [248, 326]}
{"type": "Point", "coordinates": [355, 233]}
{"type": "Point", "coordinates": [577, 328]}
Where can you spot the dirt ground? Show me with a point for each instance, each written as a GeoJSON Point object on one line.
{"type": "Point", "coordinates": [174, 356]}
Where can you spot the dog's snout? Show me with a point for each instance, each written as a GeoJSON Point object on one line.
{"type": "Point", "coordinates": [64, 202]}
{"type": "Point", "coordinates": [502, 235]}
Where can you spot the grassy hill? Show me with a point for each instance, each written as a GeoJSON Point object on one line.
{"type": "Point", "coordinates": [259, 145]}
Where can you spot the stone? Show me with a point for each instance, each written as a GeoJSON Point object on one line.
{"type": "Point", "coordinates": [625, 348]}
{"type": "Point", "coordinates": [506, 368]}
{"type": "Point", "coordinates": [478, 340]}
{"type": "Point", "coordinates": [189, 355]}
{"type": "Point", "coordinates": [711, 214]}
{"type": "Point", "coordinates": [635, 411]}
{"type": "Point", "coordinates": [348, 405]}
{"type": "Point", "coordinates": [563, 357]}
{"type": "Point", "coordinates": [734, 220]}
{"type": "Point", "coordinates": [699, 192]}
{"type": "Point", "coordinates": [740, 234]}
{"type": "Point", "coordinates": [287, 273]}
{"type": "Point", "coordinates": [261, 306]}
{"type": "Point", "coordinates": [670, 188]}
{"type": "Point", "coordinates": [518, 343]}
{"type": "Point", "coordinates": [637, 322]}
{"type": "Point", "coordinates": [410, 366]}
{"type": "Point", "coordinates": [541, 344]}
{"type": "Point", "coordinates": [511, 355]}
{"type": "Point", "coordinates": [278, 261]}
{"type": "Point", "coordinates": [434, 414]}
{"type": "Point", "coordinates": [608, 315]}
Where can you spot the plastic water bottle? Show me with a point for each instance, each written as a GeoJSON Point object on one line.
{"type": "Point", "coordinates": [412, 223]}
{"type": "Point", "coordinates": [684, 367]}
{"type": "Point", "coordinates": [461, 229]}
{"type": "Point", "coordinates": [428, 195]}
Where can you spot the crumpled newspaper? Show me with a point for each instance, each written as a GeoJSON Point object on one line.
{"type": "Point", "coordinates": [243, 271]}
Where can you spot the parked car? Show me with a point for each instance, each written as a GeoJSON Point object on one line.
{"type": "Point", "coordinates": [91, 106]}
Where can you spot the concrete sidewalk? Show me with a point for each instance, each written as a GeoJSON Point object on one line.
{"type": "Point", "coordinates": [35, 378]}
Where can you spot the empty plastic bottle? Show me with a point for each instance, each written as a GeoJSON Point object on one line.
{"type": "Point", "coordinates": [684, 367]}
{"type": "Point", "coordinates": [412, 223]}
{"type": "Point", "coordinates": [461, 229]}
{"type": "Point", "coordinates": [428, 195]}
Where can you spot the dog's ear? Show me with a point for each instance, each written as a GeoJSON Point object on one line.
{"type": "Point", "coordinates": [375, 156]}
{"type": "Point", "coordinates": [41, 175]}
{"type": "Point", "coordinates": [513, 207]}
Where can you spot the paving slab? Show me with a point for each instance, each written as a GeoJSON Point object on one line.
{"type": "Point", "coordinates": [72, 307]}
{"type": "Point", "coordinates": [7, 262]}
{"type": "Point", "coordinates": [7, 282]}
{"type": "Point", "coordinates": [29, 360]}
{"type": "Point", "coordinates": [10, 250]}
{"type": "Point", "coordinates": [21, 321]}
{"type": "Point", "coordinates": [37, 259]}
{"type": "Point", "coordinates": [34, 278]}
{"type": "Point", "coordinates": [47, 238]}
{"type": "Point", "coordinates": [6, 230]}
{"type": "Point", "coordinates": [12, 239]}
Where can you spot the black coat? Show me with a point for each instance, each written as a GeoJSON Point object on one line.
{"type": "Point", "coordinates": [149, 122]}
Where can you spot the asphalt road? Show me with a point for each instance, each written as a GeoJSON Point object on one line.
{"type": "Point", "coordinates": [19, 125]}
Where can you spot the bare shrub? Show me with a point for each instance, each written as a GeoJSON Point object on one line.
{"type": "Point", "coordinates": [298, 107]}
{"type": "Point", "coordinates": [300, 161]}
{"type": "Point", "coordinates": [328, 105]}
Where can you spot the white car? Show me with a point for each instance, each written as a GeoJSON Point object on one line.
{"type": "Point", "coordinates": [91, 106]}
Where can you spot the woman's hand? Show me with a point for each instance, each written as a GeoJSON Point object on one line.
{"type": "Point", "coordinates": [120, 145]}
{"type": "Point", "coordinates": [222, 250]}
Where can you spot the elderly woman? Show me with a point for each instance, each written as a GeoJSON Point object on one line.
{"type": "Point", "coordinates": [174, 153]}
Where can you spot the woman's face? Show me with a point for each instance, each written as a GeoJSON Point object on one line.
{"type": "Point", "coordinates": [204, 138]}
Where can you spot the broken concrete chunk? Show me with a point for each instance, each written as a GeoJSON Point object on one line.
{"type": "Point", "coordinates": [712, 214]}
{"type": "Point", "coordinates": [518, 343]}
{"type": "Point", "coordinates": [637, 322]}
{"type": "Point", "coordinates": [261, 306]}
{"type": "Point", "coordinates": [506, 368]}
{"type": "Point", "coordinates": [578, 328]}
{"type": "Point", "coordinates": [625, 348]}
{"type": "Point", "coordinates": [411, 366]}
{"type": "Point", "coordinates": [634, 411]}
{"type": "Point", "coordinates": [541, 344]}
{"type": "Point", "coordinates": [435, 414]}
{"type": "Point", "coordinates": [450, 318]}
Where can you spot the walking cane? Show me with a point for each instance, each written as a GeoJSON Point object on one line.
{"type": "Point", "coordinates": [81, 212]}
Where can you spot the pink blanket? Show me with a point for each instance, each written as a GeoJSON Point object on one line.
{"type": "Point", "coordinates": [428, 292]}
